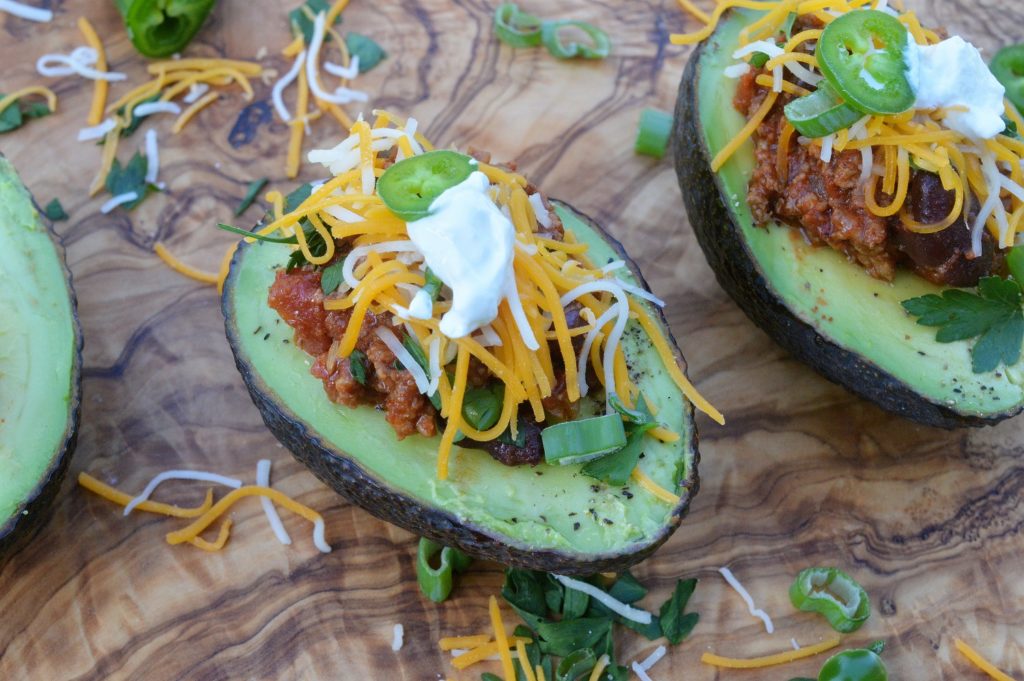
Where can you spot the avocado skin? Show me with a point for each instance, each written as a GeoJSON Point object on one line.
{"type": "Point", "coordinates": [721, 239]}
{"type": "Point", "coordinates": [17, 530]}
{"type": "Point", "coordinates": [337, 471]}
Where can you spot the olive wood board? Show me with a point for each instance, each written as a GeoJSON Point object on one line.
{"type": "Point", "coordinates": [803, 473]}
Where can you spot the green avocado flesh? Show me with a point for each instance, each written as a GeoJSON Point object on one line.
{"type": "Point", "coordinates": [820, 287]}
{"type": "Point", "coordinates": [38, 351]}
{"type": "Point", "coordinates": [543, 508]}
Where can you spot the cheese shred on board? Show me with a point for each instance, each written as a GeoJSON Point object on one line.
{"type": "Point", "coordinates": [769, 660]}
{"type": "Point", "coordinates": [383, 275]}
{"type": "Point", "coordinates": [989, 171]}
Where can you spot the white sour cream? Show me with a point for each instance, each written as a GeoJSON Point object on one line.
{"type": "Point", "coordinates": [952, 74]}
{"type": "Point", "coordinates": [469, 244]}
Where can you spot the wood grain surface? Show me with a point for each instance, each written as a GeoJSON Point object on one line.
{"type": "Point", "coordinates": [803, 473]}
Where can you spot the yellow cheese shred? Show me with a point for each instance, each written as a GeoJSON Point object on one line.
{"type": "Point", "coordinates": [180, 267]}
{"type": "Point", "coordinates": [654, 488]}
{"type": "Point", "coordinates": [208, 518]}
{"type": "Point", "coordinates": [769, 660]}
{"type": "Point", "coordinates": [192, 110]}
{"type": "Point", "coordinates": [217, 544]}
{"type": "Point", "coordinates": [501, 638]}
{"type": "Point", "coordinates": [980, 662]}
{"type": "Point", "coordinates": [99, 92]}
{"type": "Point", "coordinates": [121, 499]}
{"type": "Point", "coordinates": [454, 412]}
{"type": "Point", "coordinates": [106, 161]}
{"type": "Point", "coordinates": [524, 661]}
{"type": "Point", "coordinates": [247, 68]}
{"type": "Point", "coordinates": [602, 663]}
{"type": "Point", "coordinates": [51, 98]}
{"type": "Point", "coordinates": [540, 673]}
{"type": "Point", "coordinates": [481, 652]}
{"type": "Point", "coordinates": [729, 149]}
{"type": "Point", "coordinates": [453, 642]}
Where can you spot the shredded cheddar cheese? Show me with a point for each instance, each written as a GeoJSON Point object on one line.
{"type": "Point", "coordinates": [192, 110]}
{"type": "Point", "coordinates": [118, 497]}
{"type": "Point", "coordinates": [769, 660]}
{"type": "Point", "coordinates": [51, 98]}
{"type": "Point", "coordinates": [99, 93]}
{"type": "Point", "coordinates": [654, 488]}
{"type": "Point", "coordinates": [189, 271]}
{"type": "Point", "coordinates": [980, 662]}
{"type": "Point", "coordinates": [452, 642]}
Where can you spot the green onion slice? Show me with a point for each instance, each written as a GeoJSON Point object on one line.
{"type": "Point", "coordinates": [436, 583]}
{"type": "Point", "coordinates": [653, 133]}
{"type": "Point", "coordinates": [516, 28]}
{"type": "Point", "coordinates": [550, 31]}
{"type": "Point", "coordinates": [584, 440]}
{"type": "Point", "coordinates": [821, 113]}
{"type": "Point", "coordinates": [258, 236]}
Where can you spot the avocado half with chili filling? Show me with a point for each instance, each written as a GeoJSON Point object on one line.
{"type": "Point", "coordinates": [381, 448]}
{"type": "Point", "coordinates": [40, 365]}
{"type": "Point", "coordinates": [823, 309]}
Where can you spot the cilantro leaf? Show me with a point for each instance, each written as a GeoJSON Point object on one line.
{"type": "Point", "coordinates": [357, 365]}
{"type": "Point", "coordinates": [627, 589]}
{"type": "Point", "coordinates": [250, 194]}
{"type": "Point", "coordinates": [370, 53]}
{"type": "Point", "coordinates": [524, 592]}
{"type": "Point", "coordinates": [129, 178]}
{"type": "Point", "coordinates": [15, 114]}
{"type": "Point", "coordinates": [993, 316]}
{"type": "Point", "coordinates": [674, 623]}
{"type": "Point", "coordinates": [297, 196]}
{"type": "Point", "coordinates": [301, 18]}
{"type": "Point", "coordinates": [331, 277]}
{"type": "Point", "coordinates": [55, 211]}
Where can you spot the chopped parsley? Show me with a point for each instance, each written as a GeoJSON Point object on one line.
{"type": "Point", "coordinates": [301, 18]}
{"type": "Point", "coordinates": [993, 316]}
{"type": "Point", "coordinates": [331, 277]}
{"type": "Point", "coordinates": [366, 48]}
{"type": "Point", "coordinates": [17, 113]}
{"type": "Point", "coordinates": [54, 211]}
{"type": "Point", "coordinates": [129, 178]}
{"type": "Point", "coordinates": [250, 194]}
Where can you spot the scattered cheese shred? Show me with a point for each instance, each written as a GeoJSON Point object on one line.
{"type": "Point", "coordinates": [51, 98]}
{"type": "Point", "coordinates": [654, 488]}
{"type": "Point", "coordinates": [747, 598]}
{"type": "Point", "coordinates": [397, 637]}
{"type": "Point", "coordinates": [263, 480]}
{"type": "Point", "coordinates": [453, 642]}
{"type": "Point", "coordinates": [225, 503]}
{"type": "Point", "coordinates": [501, 639]}
{"type": "Point", "coordinates": [182, 268]}
{"type": "Point", "coordinates": [769, 660]}
{"type": "Point", "coordinates": [524, 661]}
{"type": "Point", "coordinates": [119, 497]}
{"type": "Point", "coordinates": [980, 662]}
{"type": "Point", "coordinates": [478, 653]}
{"type": "Point", "coordinates": [627, 611]}
{"type": "Point", "coordinates": [602, 663]}
{"type": "Point", "coordinates": [201, 476]}
{"type": "Point", "coordinates": [99, 93]}
{"type": "Point", "coordinates": [192, 110]}
{"type": "Point", "coordinates": [218, 544]}
{"type": "Point", "coordinates": [25, 12]}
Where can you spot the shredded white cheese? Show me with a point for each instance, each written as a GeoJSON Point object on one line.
{"type": "Point", "coordinates": [263, 480]}
{"type": "Point", "coordinates": [278, 90]}
{"type": "Point", "coordinates": [25, 11]}
{"type": "Point", "coordinates": [96, 131]}
{"type": "Point", "coordinates": [640, 293]}
{"type": "Point", "coordinates": [403, 356]}
{"type": "Point", "coordinates": [792, 642]}
{"type": "Point", "coordinates": [195, 91]}
{"type": "Point", "coordinates": [747, 598]}
{"type": "Point", "coordinates": [201, 476]}
{"type": "Point", "coordinates": [360, 252]}
{"type": "Point", "coordinates": [341, 95]}
{"type": "Point", "coordinates": [581, 368]}
{"type": "Point", "coordinates": [654, 658]}
{"type": "Point", "coordinates": [614, 337]}
{"type": "Point", "coordinates": [540, 211]}
{"type": "Point", "coordinates": [149, 108]}
{"type": "Point", "coordinates": [348, 73]}
{"type": "Point", "coordinates": [118, 200]}
{"type": "Point", "coordinates": [80, 61]}
{"type": "Point", "coordinates": [620, 608]}
{"type": "Point", "coordinates": [152, 157]}
{"type": "Point", "coordinates": [736, 70]}
{"type": "Point", "coordinates": [398, 638]}
{"type": "Point", "coordinates": [640, 672]}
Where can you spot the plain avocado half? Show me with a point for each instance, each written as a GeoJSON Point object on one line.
{"type": "Point", "coordinates": [550, 518]}
{"type": "Point", "coordinates": [40, 365]}
{"type": "Point", "coordinates": [826, 311]}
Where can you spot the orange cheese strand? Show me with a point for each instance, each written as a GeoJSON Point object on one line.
{"type": "Point", "coordinates": [225, 266]}
{"type": "Point", "coordinates": [182, 268]}
{"type": "Point", "coordinates": [453, 642]}
{"type": "Point", "coordinates": [501, 639]}
{"type": "Point", "coordinates": [524, 661]}
{"type": "Point", "coordinates": [247, 68]}
{"type": "Point", "coordinates": [51, 98]}
{"type": "Point", "coordinates": [122, 499]}
{"type": "Point", "coordinates": [99, 92]}
{"type": "Point", "coordinates": [196, 107]}
{"type": "Point", "coordinates": [980, 662]}
{"type": "Point", "coordinates": [481, 652]}
{"type": "Point", "coordinates": [654, 488]}
{"type": "Point", "coordinates": [106, 161]}
{"type": "Point", "coordinates": [454, 412]}
{"type": "Point", "coordinates": [769, 660]}
{"type": "Point", "coordinates": [216, 545]}
{"type": "Point", "coordinates": [208, 518]}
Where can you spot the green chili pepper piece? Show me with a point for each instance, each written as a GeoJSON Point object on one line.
{"type": "Point", "coordinates": [515, 27]}
{"type": "Point", "coordinates": [436, 583]}
{"type": "Point", "coordinates": [1008, 68]}
{"type": "Point", "coordinates": [600, 48]}
{"type": "Point", "coordinates": [653, 133]}
{"type": "Point", "coordinates": [833, 594]}
{"type": "Point", "coordinates": [159, 28]}
{"type": "Point", "coordinates": [409, 187]}
{"type": "Point", "coordinates": [854, 665]}
{"type": "Point", "coordinates": [861, 54]}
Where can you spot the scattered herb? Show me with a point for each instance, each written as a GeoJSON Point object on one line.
{"type": "Point", "coordinates": [331, 277]}
{"type": "Point", "coordinates": [357, 365]}
{"type": "Point", "coordinates": [436, 582]}
{"type": "Point", "coordinates": [301, 18]}
{"type": "Point", "coordinates": [759, 59]}
{"type": "Point", "coordinates": [366, 48]}
{"type": "Point", "coordinates": [297, 196]}
{"type": "Point", "coordinates": [259, 237]}
{"type": "Point", "coordinates": [18, 112]}
{"type": "Point", "coordinates": [250, 194]}
{"type": "Point", "coordinates": [1015, 263]}
{"type": "Point", "coordinates": [677, 624]}
{"type": "Point", "coordinates": [54, 211]}
{"type": "Point", "coordinates": [316, 244]}
{"type": "Point", "coordinates": [521, 29]}
{"type": "Point", "coordinates": [129, 178]}
{"type": "Point", "coordinates": [787, 25]}
{"type": "Point", "coordinates": [433, 284]}
{"type": "Point", "coordinates": [993, 316]}
{"type": "Point", "coordinates": [135, 121]}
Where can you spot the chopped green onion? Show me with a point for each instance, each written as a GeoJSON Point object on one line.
{"type": "Point", "coordinates": [259, 237]}
{"type": "Point", "coordinates": [159, 28]}
{"type": "Point", "coordinates": [584, 440]}
{"type": "Point", "coordinates": [436, 583]}
{"type": "Point", "coordinates": [357, 365]}
{"type": "Point", "coordinates": [787, 25]}
{"type": "Point", "coordinates": [135, 121]}
{"type": "Point", "coordinates": [600, 48]}
{"type": "Point", "coordinates": [821, 113]}
{"type": "Point", "coordinates": [55, 211]}
{"type": "Point", "coordinates": [759, 59]}
{"type": "Point", "coordinates": [481, 407]}
{"type": "Point", "coordinates": [1015, 261]}
{"type": "Point", "coordinates": [250, 194]}
{"type": "Point", "coordinates": [616, 468]}
{"type": "Point", "coordinates": [433, 284]}
{"type": "Point", "coordinates": [653, 134]}
{"type": "Point", "coordinates": [576, 665]}
{"type": "Point", "coordinates": [516, 28]}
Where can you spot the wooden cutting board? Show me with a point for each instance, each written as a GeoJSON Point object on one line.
{"type": "Point", "coordinates": [803, 473]}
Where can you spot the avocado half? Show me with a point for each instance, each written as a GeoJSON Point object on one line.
{"type": "Point", "coordinates": [824, 310]}
{"type": "Point", "coordinates": [550, 518]}
{"type": "Point", "coordinates": [40, 365]}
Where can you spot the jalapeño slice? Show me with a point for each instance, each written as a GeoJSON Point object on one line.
{"type": "Point", "coordinates": [411, 185]}
{"type": "Point", "coordinates": [821, 113]}
{"type": "Point", "coordinates": [863, 56]}
{"type": "Point", "coordinates": [1008, 68]}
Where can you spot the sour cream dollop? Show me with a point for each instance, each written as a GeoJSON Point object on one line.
{"type": "Point", "coordinates": [953, 75]}
{"type": "Point", "coordinates": [469, 244]}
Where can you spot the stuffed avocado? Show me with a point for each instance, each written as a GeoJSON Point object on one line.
{"type": "Point", "coordinates": [845, 195]}
{"type": "Point", "coordinates": [384, 320]}
{"type": "Point", "coordinates": [40, 365]}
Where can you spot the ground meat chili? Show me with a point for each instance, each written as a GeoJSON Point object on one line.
{"type": "Point", "coordinates": [296, 295]}
{"type": "Point", "coordinates": [825, 201]}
